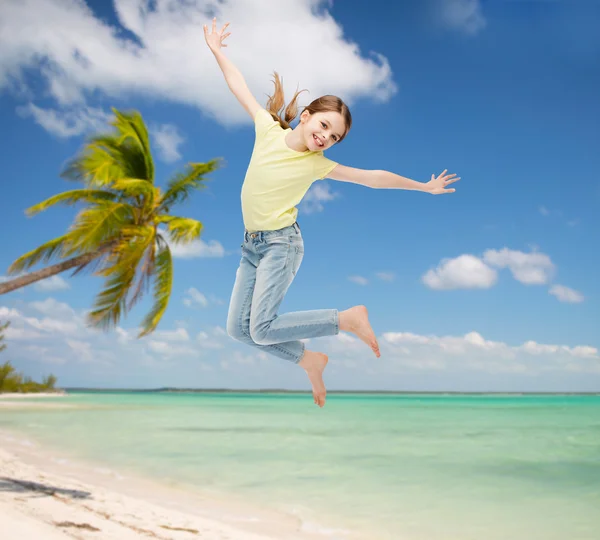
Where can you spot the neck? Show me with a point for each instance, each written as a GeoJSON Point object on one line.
{"type": "Point", "coordinates": [295, 139]}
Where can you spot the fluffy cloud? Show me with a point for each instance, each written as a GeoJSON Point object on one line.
{"type": "Point", "coordinates": [565, 294]}
{"type": "Point", "coordinates": [197, 248]}
{"type": "Point", "coordinates": [210, 358]}
{"type": "Point", "coordinates": [472, 272]}
{"type": "Point", "coordinates": [463, 272]}
{"type": "Point", "coordinates": [164, 55]}
{"type": "Point", "coordinates": [528, 268]}
{"type": "Point", "coordinates": [195, 297]}
{"type": "Point", "coordinates": [67, 123]}
{"type": "Point", "coordinates": [167, 139]}
{"type": "Point", "coordinates": [473, 352]}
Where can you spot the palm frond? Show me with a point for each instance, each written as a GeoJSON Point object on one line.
{"type": "Point", "coordinates": [144, 192]}
{"type": "Point", "coordinates": [182, 184]}
{"type": "Point", "coordinates": [144, 275]}
{"type": "Point", "coordinates": [181, 230]}
{"type": "Point", "coordinates": [99, 163]}
{"type": "Point", "coordinates": [128, 249]}
{"type": "Point", "coordinates": [134, 187]}
{"type": "Point", "coordinates": [45, 253]}
{"type": "Point", "coordinates": [72, 197]}
{"type": "Point", "coordinates": [125, 153]}
{"type": "Point", "coordinates": [111, 302]}
{"type": "Point", "coordinates": [163, 283]}
{"type": "Point", "coordinates": [132, 128]}
{"type": "Point", "coordinates": [99, 224]}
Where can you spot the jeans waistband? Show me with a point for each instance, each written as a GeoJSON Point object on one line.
{"type": "Point", "coordinates": [262, 234]}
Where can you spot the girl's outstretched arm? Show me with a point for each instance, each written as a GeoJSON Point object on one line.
{"type": "Point", "coordinates": [389, 180]}
{"type": "Point", "coordinates": [233, 77]}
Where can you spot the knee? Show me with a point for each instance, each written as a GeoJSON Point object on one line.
{"type": "Point", "coordinates": [258, 333]}
{"type": "Point", "coordinates": [234, 329]}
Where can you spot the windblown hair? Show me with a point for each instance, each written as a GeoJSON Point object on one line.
{"type": "Point", "coordinates": [276, 103]}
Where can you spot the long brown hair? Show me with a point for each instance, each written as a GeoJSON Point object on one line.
{"type": "Point", "coordinates": [327, 103]}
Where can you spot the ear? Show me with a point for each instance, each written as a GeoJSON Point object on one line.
{"type": "Point", "coordinates": [304, 116]}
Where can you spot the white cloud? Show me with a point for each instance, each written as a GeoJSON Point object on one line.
{"type": "Point", "coordinates": [359, 280]}
{"type": "Point", "coordinates": [463, 272]}
{"type": "Point", "coordinates": [385, 276]}
{"type": "Point", "coordinates": [54, 283]}
{"type": "Point", "coordinates": [167, 139]}
{"type": "Point", "coordinates": [528, 268]}
{"type": "Point", "coordinates": [544, 211]}
{"type": "Point", "coordinates": [67, 123]}
{"type": "Point", "coordinates": [462, 15]}
{"type": "Point", "coordinates": [197, 248]}
{"type": "Point", "coordinates": [472, 350]}
{"type": "Point", "coordinates": [565, 294]}
{"type": "Point", "coordinates": [171, 357]}
{"type": "Point", "coordinates": [318, 193]}
{"type": "Point", "coordinates": [52, 307]}
{"type": "Point", "coordinates": [79, 54]}
{"type": "Point", "coordinates": [195, 297]}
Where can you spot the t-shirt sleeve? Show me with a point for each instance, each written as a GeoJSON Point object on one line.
{"type": "Point", "coordinates": [264, 123]}
{"type": "Point", "coordinates": [323, 166]}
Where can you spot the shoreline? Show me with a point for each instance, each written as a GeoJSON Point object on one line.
{"type": "Point", "coordinates": [45, 496]}
{"type": "Point", "coordinates": [24, 395]}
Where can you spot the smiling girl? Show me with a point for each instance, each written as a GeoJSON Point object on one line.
{"type": "Point", "coordinates": [285, 162]}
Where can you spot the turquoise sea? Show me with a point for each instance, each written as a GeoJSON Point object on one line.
{"type": "Point", "coordinates": [389, 467]}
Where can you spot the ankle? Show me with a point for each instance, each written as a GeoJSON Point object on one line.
{"type": "Point", "coordinates": [344, 321]}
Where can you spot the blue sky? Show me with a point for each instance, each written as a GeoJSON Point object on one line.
{"type": "Point", "coordinates": [493, 287]}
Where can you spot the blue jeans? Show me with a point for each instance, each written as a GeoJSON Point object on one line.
{"type": "Point", "coordinates": [270, 261]}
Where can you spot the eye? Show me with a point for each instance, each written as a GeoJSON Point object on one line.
{"type": "Point", "coordinates": [323, 125]}
{"type": "Point", "coordinates": [334, 137]}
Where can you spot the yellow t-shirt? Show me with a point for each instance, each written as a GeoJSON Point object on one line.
{"type": "Point", "coordinates": [277, 177]}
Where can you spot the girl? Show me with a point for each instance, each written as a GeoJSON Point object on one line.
{"type": "Point", "coordinates": [284, 164]}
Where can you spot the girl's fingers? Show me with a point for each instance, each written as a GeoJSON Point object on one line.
{"type": "Point", "coordinates": [214, 27]}
{"type": "Point", "coordinates": [227, 34]}
{"type": "Point", "coordinates": [224, 26]}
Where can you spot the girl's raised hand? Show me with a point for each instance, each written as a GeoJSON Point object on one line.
{"type": "Point", "coordinates": [215, 39]}
{"type": "Point", "coordinates": [436, 186]}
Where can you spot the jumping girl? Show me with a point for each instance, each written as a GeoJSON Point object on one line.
{"type": "Point", "coordinates": [284, 164]}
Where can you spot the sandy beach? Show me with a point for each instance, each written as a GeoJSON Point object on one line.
{"type": "Point", "coordinates": [45, 497]}
{"type": "Point", "coordinates": [38, 505]}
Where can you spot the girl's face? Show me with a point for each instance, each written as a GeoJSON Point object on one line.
{"type": "Point", "coordinates": [322, 129]}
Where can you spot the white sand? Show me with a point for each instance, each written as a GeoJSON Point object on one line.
{"type": "Point", "coordinates": [37, 505]}
{"type": "Point", "coordinates": [18, 395]}
{"type": "Point", "coordinates": [43, 497]}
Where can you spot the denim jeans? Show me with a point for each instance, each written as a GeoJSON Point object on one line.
{"type": "Point", "coordinates": [270, 261]}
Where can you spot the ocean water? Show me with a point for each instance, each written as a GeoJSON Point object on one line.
{"type": "Point", "coordinates": [389, 467]}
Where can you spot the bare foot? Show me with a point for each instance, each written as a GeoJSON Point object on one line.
{"type": "Point", "coordinates": [356, 320]}
{"type": "Point", "coordinates": [314, 364]}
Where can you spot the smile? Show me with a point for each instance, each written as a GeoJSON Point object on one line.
{"type": "Point", "coordinates": [318, 141]}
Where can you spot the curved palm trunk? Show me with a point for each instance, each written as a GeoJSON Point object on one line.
{"type": "Point", "coordinates": [44, 273]}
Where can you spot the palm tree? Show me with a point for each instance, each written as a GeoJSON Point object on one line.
{"type": "Point", "coordinates": [117, 231]}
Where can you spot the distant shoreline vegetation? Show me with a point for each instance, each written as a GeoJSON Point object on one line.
{"type": "Point", "coordinates": [13, 382]}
